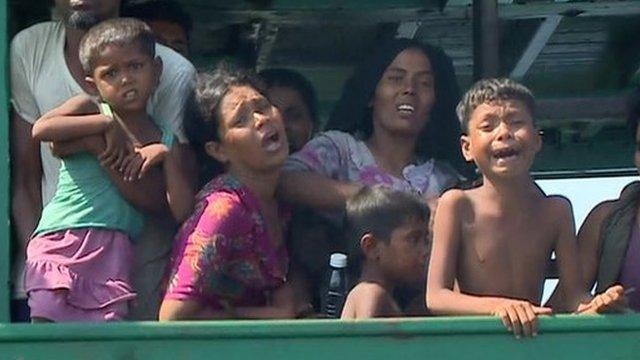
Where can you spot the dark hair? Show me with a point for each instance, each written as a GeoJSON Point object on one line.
{"type": "Point", "coordinates": [490, 90]}
{"type": "Point", "coordinates": [440, 137]}
{"type": "Point", "coordinates": [202, 113]}
{"type": "Point", "coordinates": [633, 111]}
{"type": "Point", "coordinates": [162, 10]}
{"type": "Point", "coordinates": [379, 210]}
{"type": "Point", "coordinates": [296, 81]}
{"type": "Point", "coordinates": [117, 31]}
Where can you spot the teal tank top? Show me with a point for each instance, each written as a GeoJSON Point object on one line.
{"type": "Point", "coordinates": [86, 197]}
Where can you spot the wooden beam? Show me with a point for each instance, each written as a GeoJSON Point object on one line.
{"type": "Point", "coordinates": [266, 41]}
{"type": "Point", "coordinates": [582, 108]}
{"type": "Point", "coordinates": [537, 43]}
{"type": "Point", "coordinates": [429, 12]}
{"type": "Point", "coordinates": [408, 29]}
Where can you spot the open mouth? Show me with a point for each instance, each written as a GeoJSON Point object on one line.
{"type": "Point", "coordinates": [405, 109]}
{"type": "Point", "coordinates": [272, 141]}
{"type": "Point", "coordinates": [505, 153]}
{"type": "Point", "coordinates": [130, 95]}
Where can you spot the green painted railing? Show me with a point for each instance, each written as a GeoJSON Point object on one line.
{"type": "Point", "coordinates": [561, 337]}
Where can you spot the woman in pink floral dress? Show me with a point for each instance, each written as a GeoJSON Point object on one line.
{"type": "Point", "coordinates": [230, 260]}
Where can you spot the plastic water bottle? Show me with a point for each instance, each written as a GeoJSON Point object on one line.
{"type": "Point", "coordinates": [337, 285]}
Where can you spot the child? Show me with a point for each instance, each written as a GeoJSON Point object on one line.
{"type": "Point", "coordinates": [79, 258]}
{"type": "Point", "coordinates": [609, 238]}
{"type": "Point", "coordinates": [494, 241]}
{"type": "Point", "coordinates": [230, 260]}
{"type": "Point", "coordinates": [391, 228]}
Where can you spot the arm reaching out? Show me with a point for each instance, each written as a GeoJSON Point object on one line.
{"type": "Point", "coordinates": [327, 194]}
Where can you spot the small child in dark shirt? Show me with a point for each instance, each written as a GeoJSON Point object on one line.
{"type": "Point", "coordinates": [389, 236]}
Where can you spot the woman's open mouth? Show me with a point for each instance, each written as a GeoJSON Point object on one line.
{"type": "Point", "coordinates": [272, 141]}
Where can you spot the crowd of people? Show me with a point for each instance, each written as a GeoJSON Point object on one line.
{"type": "Point", "coordinates": [145, 190]}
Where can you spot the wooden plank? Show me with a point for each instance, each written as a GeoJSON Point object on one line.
{"type": "Point", "coordinates": [408, 29]}
{"type": "Point", "coordinates": [592, 108]}
{"type": "Point", "coordinates": [537, 43]}
{"type": "Point", "coordinates": [377, 12]}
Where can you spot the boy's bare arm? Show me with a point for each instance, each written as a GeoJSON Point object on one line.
{"type": "Point", "coordinates": [71, 120]}
{"type": "Point", "coordinates": [566, 249]}
{"type": "Point", "coordinates": [589, 243]}
{"type": "Point", "coordinates": [447, 234]}
{"type": "Point", "coordinates": [588, 252]}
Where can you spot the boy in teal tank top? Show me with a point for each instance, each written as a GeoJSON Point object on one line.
{"type": "Point", "coordinates": [79, 258]}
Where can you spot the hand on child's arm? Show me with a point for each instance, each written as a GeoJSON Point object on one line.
{"type": "Point", "coordinates": [118, 146]}
{"type": "Point", "coordinates": [612, 300]}
{"type": "Point", "coordinates": [520, 316]}
{"type": "Point", "coordinates": [93, 144]}
{"type": "Point", "coordinates": [81, 104]}
{"type": "Point", "coordinates": [135, 165]}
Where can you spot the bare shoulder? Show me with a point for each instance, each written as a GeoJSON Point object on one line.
{"type": "Point", "coordinates": [369, 299]}
{"type": "Point", "coordinates": [455, 197]}
{"type": "Point", "coordinates": [368, 290]}
{"type": "Point", "coordinates": [557, 204]}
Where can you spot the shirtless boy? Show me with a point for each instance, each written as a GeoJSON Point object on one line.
{"type": "Point", "coordinates": [389, 244]}
{"type": "Point", "coordinates": [495, 240]}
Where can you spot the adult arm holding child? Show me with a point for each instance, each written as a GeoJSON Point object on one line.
{"type": "Point", "coordinates": [73, 127]}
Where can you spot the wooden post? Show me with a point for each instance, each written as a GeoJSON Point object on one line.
{"type": "Point", "coordinates": [485, 39]}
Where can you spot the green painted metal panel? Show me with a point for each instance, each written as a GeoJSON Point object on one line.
{"type": "Point", "coordinates": [565, 336]}
{"type": "Point", "coordinates": [4, 165]}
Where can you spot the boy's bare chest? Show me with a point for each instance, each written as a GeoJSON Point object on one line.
{"type": "Point", "coordinates": [508, 241]}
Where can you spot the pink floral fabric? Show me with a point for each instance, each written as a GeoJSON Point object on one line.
{"type": "Point", "coordinates": [340, 156]}
{"type": "Point", "coordinates": [222, 253]}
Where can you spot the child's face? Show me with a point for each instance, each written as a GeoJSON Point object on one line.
{"type": "Point", "coordinates": [501, 138]}
{"type": "Point", "coordinates": [252, 135]}
{"type": "Point", "coordinates": [405, 94]}
{"type": "Point", "coordinates": [406, 255]}
{"type": "Point", "coordinates": [297, 118]}
{"type": "Point", "coordinates": [125, 77]}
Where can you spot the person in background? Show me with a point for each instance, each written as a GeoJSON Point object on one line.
{"type": "Point", "coordinates": [45, 72]}
{"type": "Point", "coordinates": [394, 125]}
{"type": "Point", "coordinates": [230, 258]}
{"type": "Point", "coordinates": [609, 238]}
{"type": "Point", "coordinates": [170, 23]}
{"type": "Point", "coordinates": [491, 243]}
{"type": "Point", "coordinates": [79, 258]}
{"type": "Point", "coordinates": [388, 233]}
{"type": "Point", "coordinates": [294, 95]}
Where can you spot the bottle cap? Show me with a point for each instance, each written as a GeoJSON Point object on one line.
{"type": "Point", "coordinates": [338, 260]}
